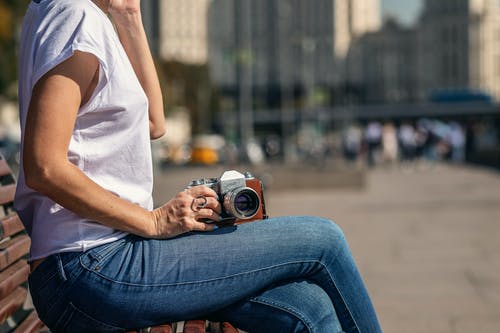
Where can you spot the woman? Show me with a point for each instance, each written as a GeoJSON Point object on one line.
{"type": "Point", "coordinates": [103, 260]}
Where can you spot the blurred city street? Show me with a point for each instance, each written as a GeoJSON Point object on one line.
{"type": "Point", "coordinates": [426, 241]}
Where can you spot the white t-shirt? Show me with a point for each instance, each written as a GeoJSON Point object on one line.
{"type": "Point", "coordinates": [110, 141]}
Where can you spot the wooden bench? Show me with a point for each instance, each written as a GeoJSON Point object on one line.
{"type": "Point", "coordinates": [17, 314]}
{"type": "Point", "coordinates": [16, 310]}
{"type": "Point", "coordinates": [192, 326]}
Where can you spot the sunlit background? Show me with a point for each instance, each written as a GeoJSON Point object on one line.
{"type": "Point", "coordinates": [271, 81]}
{"type": "Point", "coordinates": [383, 115]}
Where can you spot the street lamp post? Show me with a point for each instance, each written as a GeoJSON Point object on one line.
{"type": "Point", "coordinates": [243, 29]}
{"type": "Point", "coordinates": [287, 111]}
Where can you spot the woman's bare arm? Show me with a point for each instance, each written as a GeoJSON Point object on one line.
{"type": "Point", "coordinates": [56, 98]}
{"type": "Point", "coordinates": [127, 18]}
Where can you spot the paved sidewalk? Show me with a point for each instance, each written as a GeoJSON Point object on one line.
{"type": "Point", "coordinates": [427, 243]}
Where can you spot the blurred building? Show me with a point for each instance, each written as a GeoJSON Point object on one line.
{"type": "Point", "coordinates": [289, 50]}
{"type": "Point", "coordinates": [287, 47]}
{"type": "Point", "coordinates": [183, 30]}
{"type": "Point", "coordinates": [383, 65]}
{"type": "Point", "coordinates": [459, 46]}
{"type": "Point", "coordinates": [454, 48]}
{"type": "Point", "coordinates": [364, 16]}
{"type": "Point", "coordinates": [151, 21]}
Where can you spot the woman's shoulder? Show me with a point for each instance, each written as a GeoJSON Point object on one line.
{"type": "Point", "coordinates": [72, 10]}
{"type": "Point", "coordinates": [58, 27]}
{"type": "Point", "coordinates": [62, 17]}
{"type": "Point", "coordinates": [56, 12]}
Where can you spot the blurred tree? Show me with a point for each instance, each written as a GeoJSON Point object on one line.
{"type": "Point", "coordinates": [5, 22]}
{"type": "Point", "coordinates": [11, 14]}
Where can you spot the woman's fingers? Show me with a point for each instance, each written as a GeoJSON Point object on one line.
{"type": "Point", "coordinates": [207, 214]}
{"type": "Point", "coordinates": [213, 204]}
{"type": "Point", "coordinates": [200, 226]}
{"type": "Point", "coordinates": [202, 190]}
{"type": "Point", "coordinates": [199, 202]}
{"type": "Point", "coordinates": [204, 197]}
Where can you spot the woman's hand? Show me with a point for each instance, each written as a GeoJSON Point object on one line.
{"type": "Point", "coordinates": [124, 6]}
{"type": "Point", "coordinates": [122, 11]}
{"type": "Point", "coordinates": [185, 212]}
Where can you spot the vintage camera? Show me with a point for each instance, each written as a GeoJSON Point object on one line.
{"type": "Point", "coordinates": [241, 196]}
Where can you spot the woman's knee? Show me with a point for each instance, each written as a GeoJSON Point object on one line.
{"type": "Point", "coordinates": [323, 232]}
{"type": "Point", "coordinates": [300, 232]}
{"type": "Point", "coordinates": [310, 224]}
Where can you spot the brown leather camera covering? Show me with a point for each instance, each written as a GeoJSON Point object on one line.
{"type": "Point", "coordinates": [256, 185]}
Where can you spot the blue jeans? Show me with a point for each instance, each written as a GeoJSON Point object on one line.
{"type": "Point", "coordinates": [289, 274]}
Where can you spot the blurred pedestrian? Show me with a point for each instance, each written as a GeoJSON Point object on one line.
{"type": "Point", "coordinates": [456, 137]}
{"type": "Point", "coordinates": [351, 142]}
{"type": "Point", "coordinates": [408, 144]}
{"type": "Point", "coordinates": [373, 138]}
{"type": "Point", "coordinates": [389, 143]}
{"type": "Point", "coordinates": [442, 145]}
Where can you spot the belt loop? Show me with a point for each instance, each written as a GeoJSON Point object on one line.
{"type": "Point", "coordinates": [60, 268]}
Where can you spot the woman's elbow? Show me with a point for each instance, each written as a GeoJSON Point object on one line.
{"type": "Point", "coordinates": [36, 176]}
{"type": "Point", "coordinates": [156, 131]}
{"type": "Point", "coordinates": [39, 171]}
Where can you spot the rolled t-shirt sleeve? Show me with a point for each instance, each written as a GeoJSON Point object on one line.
{"type": "Point", "coordinates": [77, 28]}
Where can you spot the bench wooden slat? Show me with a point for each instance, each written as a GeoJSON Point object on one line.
{"type": "Point", "coordinates": [222, 327]}
{"type": "Point", "coordinates": [162, 329]}
{"type": "Point", "coordinates": [10, 225]}
{"type": "Point", "coordinates": [14, 249]}
{"type": "Point", "coordinates": [7, 193]}
{"type": "Point", "coordinates": [32, 324]}
{"type": "Point", "coordinates": [7, 185]}
{"type": "Point", "coordinates": [13, 276]}
{"type": "Point", "coordinates": [228, 328]}
{"type": "Point", "coordinates": [12, 303]}
{"type": "Point", "coordinates": [4, 167]}
{"type": "Point", "coordinates": [195, 326]}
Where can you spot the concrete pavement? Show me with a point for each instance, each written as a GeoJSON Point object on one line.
{"type": "Point", "coordinates": [427, 242]}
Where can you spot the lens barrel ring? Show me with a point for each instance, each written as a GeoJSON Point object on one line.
{"type": "Point", "coordinates": [243, 203]}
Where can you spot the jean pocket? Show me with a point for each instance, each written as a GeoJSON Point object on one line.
{"type": "Point", "coordinates": [101, 253]}
{"type": "Point", "coordinates": [74, 320]}
{"type": "Point", "coordinates": [95, 258]}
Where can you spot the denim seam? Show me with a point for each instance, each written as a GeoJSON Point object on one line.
{"type": "Point", "coordinates": [286, 309]}
{"type": "Point", "coordinates": [99, 256]}
{"type": "Point", "coordinates": [340, 293]}
{"type": "Point", "coordinates": [60, 268]}
{"type": "Point", "coordinates": [63, 321]}
{"type": "Point", "coordinates": [200, 281]}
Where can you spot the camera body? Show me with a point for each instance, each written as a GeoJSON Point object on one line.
{"type": "Point", "coordinates": [241, 196]}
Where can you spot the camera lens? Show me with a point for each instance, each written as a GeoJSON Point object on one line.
{"type": "Point", "coordinates": [243, 203]}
